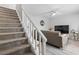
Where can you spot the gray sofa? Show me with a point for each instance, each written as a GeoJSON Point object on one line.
{"type": "Point", "coordinates": [53, 38]}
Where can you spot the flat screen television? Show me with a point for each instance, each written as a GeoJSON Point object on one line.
{"type": "Point", "coordinates": [64, 29]}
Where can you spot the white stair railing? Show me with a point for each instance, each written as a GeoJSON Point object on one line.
{"type": "Point", "coordinates": [35, 36]}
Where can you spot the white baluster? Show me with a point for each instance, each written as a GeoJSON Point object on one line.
{"type": "Point", "coordinates": [35, 39]}
{"type": "Point", "coordinates": [32, 35]}
{"type": "Point", "coordinates": [39, 44]}
{"type": "Point", "coordinates": [43, 47]}
{"type": "Point", "coordinates": [30, 29]}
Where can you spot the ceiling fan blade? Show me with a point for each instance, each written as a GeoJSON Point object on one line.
{"type": "Point", "coordinates": [56, 10]}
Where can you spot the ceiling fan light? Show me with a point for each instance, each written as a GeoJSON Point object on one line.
{"type": "Point", "coordinates": [53, 14]}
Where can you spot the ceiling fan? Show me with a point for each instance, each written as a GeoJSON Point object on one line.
{"type": "Point", "coordinates": [53, 12]}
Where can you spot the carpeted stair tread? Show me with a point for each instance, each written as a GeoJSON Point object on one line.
{"type": "Point", "coordinates": [12, 40]}
{"type": "Point", "coordinates": [11, 33]}
{"type": "Point", "coordinates": [14, 49]}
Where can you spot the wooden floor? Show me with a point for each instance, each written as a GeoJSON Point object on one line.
{"type": "Point", "coordinates": [72, 48]}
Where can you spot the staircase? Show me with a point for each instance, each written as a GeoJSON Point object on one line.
{"type": "Point", "coordinates": [12, 36]}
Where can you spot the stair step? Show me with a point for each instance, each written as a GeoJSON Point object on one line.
{"type": "Point", "coordinates": [12, 42]}
{"type": "Point", "coordinates": [7, 10]}
{"type": "Point", "coordinates": [4, 18]}
{"type": "Point", "coordinates": [10, 25]}
{"type": "Point", "coordinates": [8, 16]}
{"type": "Point", "coordinates": [10, 29]}
{"type": "Point", "coordinates": [29, 53]}
{"type": "Point", "coordinates": [12, 38]}
{"type": "Point", "coordinates": [11, 35]}
{"type": "Point", "coordinates": [15, 49]}
{"type": "Point", "coordinates": [9, 21]}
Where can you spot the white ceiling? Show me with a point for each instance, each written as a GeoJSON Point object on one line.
{"type": "Point", "coordinates": [37, 9]}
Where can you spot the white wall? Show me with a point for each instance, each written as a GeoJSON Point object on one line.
{"type": "Point", "coordinates": [69, 19]}
{"type": "Point", "coordinates": [19, 10]}
{"type": "Point", "coordinates": [11, 6]}
{"type": "Point", "coordinates": [38, 11]}
{"type": "Point", "coordinates": [36, 19]}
